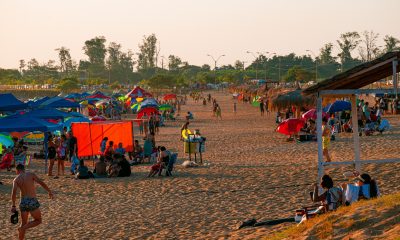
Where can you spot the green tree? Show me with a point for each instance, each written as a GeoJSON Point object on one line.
{"type": "Point", "coordinates": [325, 56]}
{"type": "Point", "coordinates": [65, 59]}
{"type": "Point", "coordinates": [68, 84]}
{"type": "Point", "coordinates": [391, 44]}
{"type": "Point", "coordinates": [239, 65]}
{"type": "Point", "coordinates": [174, 62]}
{"type": "Point", "coordinates": [347, 43]}
{"type": "Point", "coordinates": [369, 49]}
{"type": "Point", "coordinates": [147, 52]}
{"type": "Point", "coordinates": [96, 51]}
{"type": "Point", "coordinates": [22, 65]}
{"type": "Point", "coordinates": [298, 74]}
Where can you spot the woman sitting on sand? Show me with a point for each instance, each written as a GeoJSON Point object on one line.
{"type": "Point", "coordinates": [364, 188]}
{"type": "Point", "coordinates": [331, 198]}
{"type": "Point", "coordinates": [162, 162]}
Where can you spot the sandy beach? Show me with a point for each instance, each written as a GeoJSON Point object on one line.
{"type": "Point", "coordinates": [252, 172]}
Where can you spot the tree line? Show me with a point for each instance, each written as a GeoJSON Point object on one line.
{"type": "Point", "coordinates": [108, 64]}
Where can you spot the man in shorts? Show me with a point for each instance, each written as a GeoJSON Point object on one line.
{"type": "Point", "coordinates": [25, 182]}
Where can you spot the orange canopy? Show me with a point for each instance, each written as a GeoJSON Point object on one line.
{"type": "Point", "coordinates": [90, 135]}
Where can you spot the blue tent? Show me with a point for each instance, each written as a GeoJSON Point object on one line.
{"type": "Point", "coordinates": [37, 102]}
{"type": "Point", "coordinates": [338, 106]}
{"type": "Point", "coordinates": [75, 119]}
{"type": "Point", "coordinates": [10, 103]}
{"type": "Point", "coordinates": [47, 114]}
{"type": "Point", "coordinates": [30, 124]}
{"type": "Point", "coordinates": [73, 95]}
{"type": "Point", "coordinates": [59, 102]}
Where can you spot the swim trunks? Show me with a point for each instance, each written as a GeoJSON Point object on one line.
{"type": "Point", "coordinates": [28, 204]}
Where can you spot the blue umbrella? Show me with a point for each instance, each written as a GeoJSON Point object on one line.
{"type": "Point", "coordinates": [338, 106]}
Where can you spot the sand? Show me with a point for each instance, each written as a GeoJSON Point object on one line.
{"type": "Point", "coordinates": [252, 172]}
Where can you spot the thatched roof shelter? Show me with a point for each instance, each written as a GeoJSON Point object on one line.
{"type": "Point", "coordinates": [359, 76]}
{"type": "Point", "coordinates": [287, 99]}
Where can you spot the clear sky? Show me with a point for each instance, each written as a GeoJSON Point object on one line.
{"type": "Point", "coordinates": [190, 29]}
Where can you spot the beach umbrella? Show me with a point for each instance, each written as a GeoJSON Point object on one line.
{"type": "Point", "coordinates": [6, 140]}
{"type": "Point", "coordinates": [290, 126]}
{"type": "Point", "coordinates": [139, 99]}
{"type": "Point", "coordinates": [149, 103]}
{"type": "Point", "coordinates": [338, 106]}
{"type": "Point", "coordinates": [165, 107]}
{"type": "Point", "coordinates": [34, 137]}
{"type": "Point", "coordinates": [136, 107]}
{"type": "Point", "coordinates": [256, 102]}
{"type": "Point", "coordinates": [312, 114]}
{"type": "Point", "coordinates": [169, 97]}
{"type": "Point", "coordinates": [148, 111]}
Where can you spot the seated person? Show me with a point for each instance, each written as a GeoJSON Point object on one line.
{"type": "Point", "coordinates": [125, 167]}
{"type": "Point", "coordinates": [113, 169]}
{"type": "Point", "coordinates": [331, 198]}
{"type": "Point", "coordinates": [120, 150]}
{"type": "Point", "coordinates": [20, 158]}
{"type": "Point", "coordinates": [100, 169]}
{"type": "Point", "coordinates": [83, 172]}
{"type": "Point", "coordinates": [109, 152]}
{"type": "Point", "coordinates": [137, 154]}
{"type": "Point", "coordinates": [162, 161]}
{"type": "Point", "coordinates": [364, 188]}
{"type": "Point", "coordinates": [7, 159]}
{"type": "Point", "coordinates": [189, 115]}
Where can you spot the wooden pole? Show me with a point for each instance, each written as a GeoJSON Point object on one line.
{"type": "Point", "coordinates": [394, 64]}
{"type": "Point", "coordinates": [319, 138]}
{"type": "Point", "coordinates": [356, 137]}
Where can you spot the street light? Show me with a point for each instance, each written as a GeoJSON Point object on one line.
{"type": "Point", "coordinates": [316, 64]}
{"type": "Point", "coordinates": [215, 66]}
{"type": "Point", "coordinates": [267, 64]}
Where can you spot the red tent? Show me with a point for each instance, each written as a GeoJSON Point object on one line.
{"type": "Point", "coordinates": [138, 92]}
{"type": "Point", "coordinates": [290, 126]}
{"type": "Point", "coordinates": [169, 97]}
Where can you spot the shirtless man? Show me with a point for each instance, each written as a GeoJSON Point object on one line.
{"type": "Point", "coordinates": [29, 204]}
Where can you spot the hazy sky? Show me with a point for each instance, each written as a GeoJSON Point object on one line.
{"type": "Point", "coordinates": [190, 29]}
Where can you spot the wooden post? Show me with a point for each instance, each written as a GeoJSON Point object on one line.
{"type": "Point", "coordinates": [356, 137]}
{"type": "Point", "coordinates": [394, 64]}
{"type": "Point", "coordinates": [319, 138]}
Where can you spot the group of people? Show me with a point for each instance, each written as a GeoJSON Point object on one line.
{"type": "Point", "coordinates": [150, 124]}
{"type": "Point", "coordinates": [11, 156]}
{"type": "Point", "coordinates": [364, 187]}
{"type": "Point", "coordinates": [60, 149]}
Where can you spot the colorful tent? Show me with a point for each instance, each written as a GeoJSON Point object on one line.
{"type": "Point", "coordinates": [98, 95]}
{"type": "Point", "coordinates": [165, 107]}
{"type": "Point", "coordinates": [149, 102]}
{"type": "Point", "coordinates": [10, 103]}
{"type": "Point", "coordinates": [37, 102]}
{"type": "Point", "coordinates": [312, 114]}
{"type": "Point", "coordinates": [138, 92]}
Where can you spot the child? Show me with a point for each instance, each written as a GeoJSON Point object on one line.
{"type": "Point", "coordinates": [120, 149]}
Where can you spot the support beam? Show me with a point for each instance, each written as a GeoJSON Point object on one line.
{"type": "Point", "coordinates": [394, 64]}
{"type": "Point", "coordinates": [355, 91]}
{"type": "Point", "coordinates": [356, 137]}
{"type": "Point", "coordinates": [319, 139]}
{"type": "Point", "coordinates": [392, 160]}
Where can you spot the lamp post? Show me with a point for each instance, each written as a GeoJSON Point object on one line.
{"type": "Point", "coordinates": [316, 64]}
{"type": "Point", "coordinates": [215, 66]}
{"type": "Point", "coordinates": [271, 54]}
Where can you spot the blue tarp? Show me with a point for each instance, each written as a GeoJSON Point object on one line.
{"type": "Point", "coordinates": [59, 102]}
{"type": "Point", "coordinates": [37, 102]}
{"type": "Point", "coordinates": [10, 103]}
{"type": "Point", "coordinates": [47, 114]}
{"type": "Point", "coordinates": [30, 124]}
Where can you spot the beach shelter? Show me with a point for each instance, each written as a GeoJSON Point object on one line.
{"type": "Point", "coordinates": [59, 102]}
{"type": "Point", "coordinates": [9, 102]}
{"type": "Point", "coordinates": [312, 114]}
{"type": "Point", "coordinates": [290, 126]}
{"type": "Point", "coordinates": [46, 114]}
{"type": "Point", "coordinates": [169, 97]}
{"type": "Point", "coordinates": [349, 84]}
{"type": "Point", "coordinates": [165, 107]}
{"type": "Point", "coordinates": [90, 135]}
{"type": "Point", "coordinates": [99, 95]}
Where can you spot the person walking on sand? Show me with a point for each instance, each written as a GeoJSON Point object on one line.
{"type": "Point", "coordinates": [326, 138]}
{"type": "Point", "coordinates": [218, 112]}
{"type": "Point", "coordinates": [262, 108]}
{"type": "Point", "coordinates": [234, 108]}
{"type": "Point", "coordinates": [25, 182]}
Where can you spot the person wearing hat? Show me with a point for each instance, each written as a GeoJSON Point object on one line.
{"type": "Point", "coordinates": [364, 187]}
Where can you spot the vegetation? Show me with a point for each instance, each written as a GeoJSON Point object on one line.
{"type": "Point", "coordinates": [108, 63]}
{"type": "Point", "coordinates": [371, 218]}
